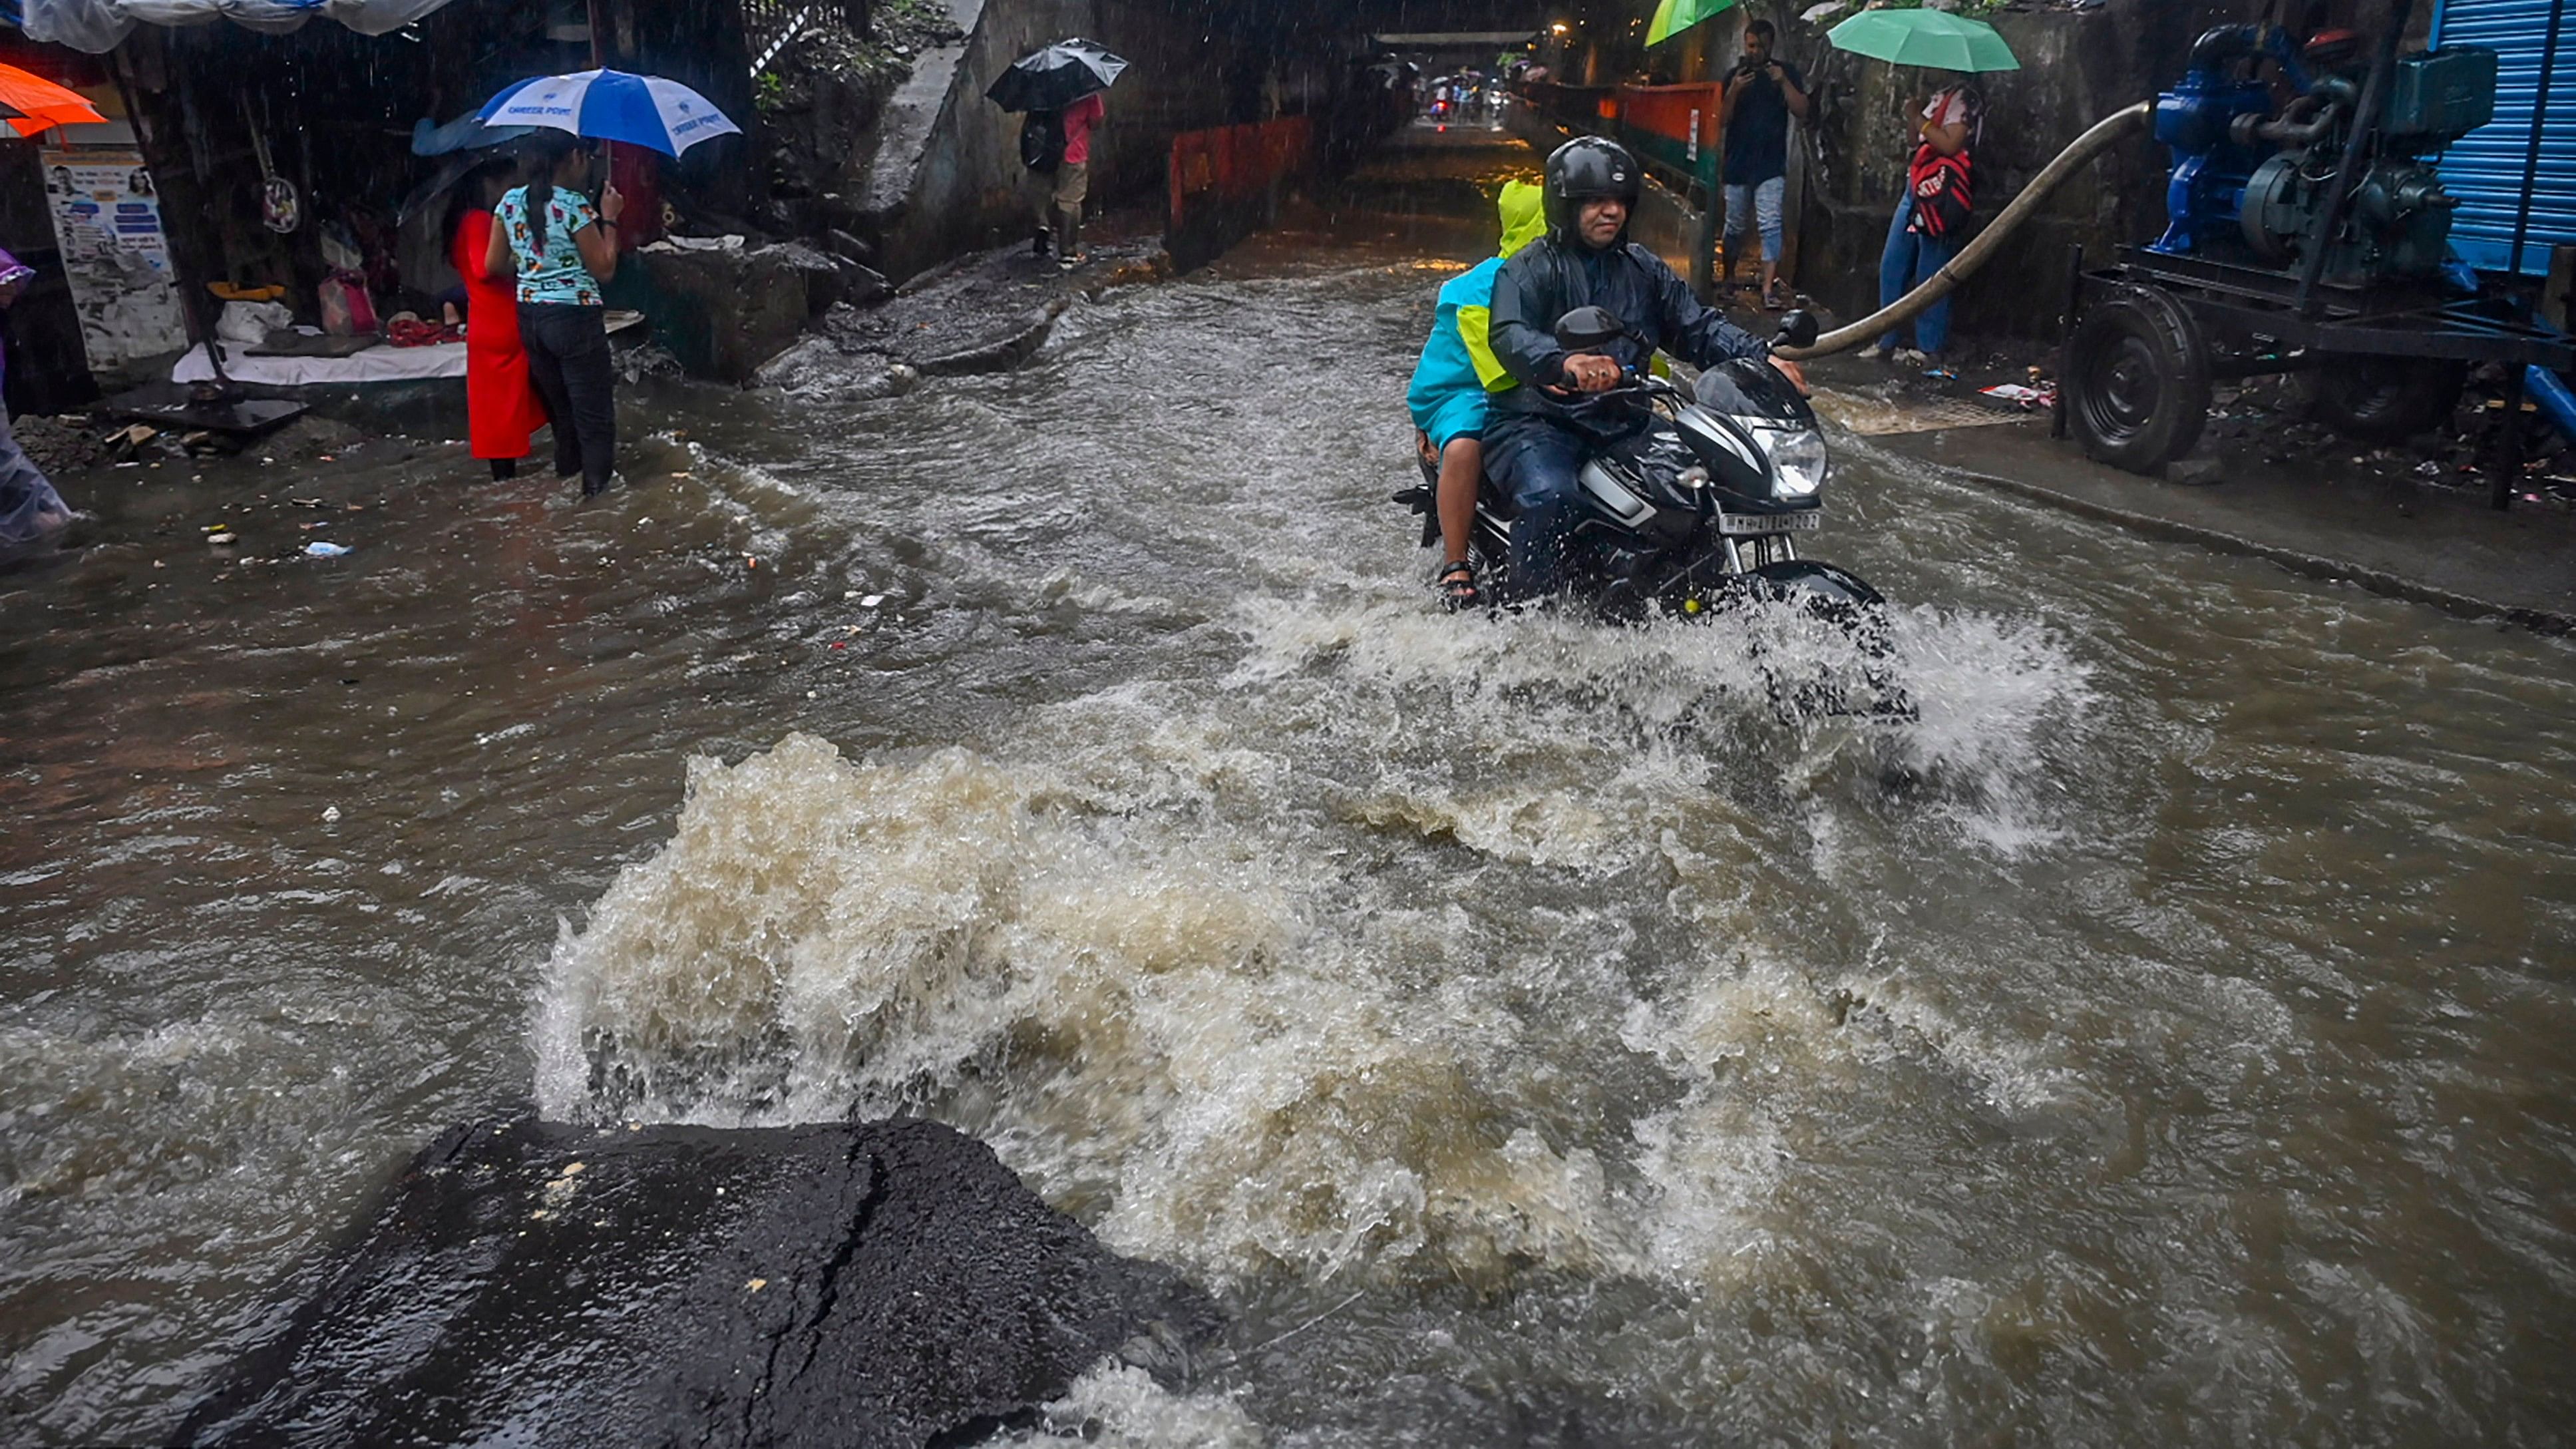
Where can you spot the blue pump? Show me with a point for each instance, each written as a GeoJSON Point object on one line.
{"type": "Point", "coordinates": [2195, 118]}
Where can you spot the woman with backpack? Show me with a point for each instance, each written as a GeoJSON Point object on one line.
{"type": "Point", "coordinates": [1930, 221]}
{"type": "Point", "coordinates": [561, 249]}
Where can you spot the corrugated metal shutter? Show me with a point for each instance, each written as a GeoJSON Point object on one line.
{"type": "Point", "coordinates": [2488, 169]}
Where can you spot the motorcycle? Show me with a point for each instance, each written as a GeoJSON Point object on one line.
{"type": "Point", "coordinates": [1699, 510]}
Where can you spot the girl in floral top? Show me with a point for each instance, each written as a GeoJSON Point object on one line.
{"type": "Point", "coordinates": [561, 249]}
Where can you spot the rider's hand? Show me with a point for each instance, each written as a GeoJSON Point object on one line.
{"type": "Point", "coordinates": [1591, 372]}
{"type": "Point", "coordinates": [612, 203]}
{"type": "Point", "coordinates": [1797, 375]}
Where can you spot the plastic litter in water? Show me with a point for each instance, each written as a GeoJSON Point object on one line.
{"type": "Point", "coordinates": [330, 814]}
{"type": "Point", "coordinates": [323, 548]}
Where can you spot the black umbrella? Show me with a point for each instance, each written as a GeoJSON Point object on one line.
{"type": "Point", "coordinates": [452, 168]}
{"type": "Point", "coordinates": [1056, 77]}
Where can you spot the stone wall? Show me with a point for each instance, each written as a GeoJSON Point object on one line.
{"type": "Point", "coordinates": [2077, 67]}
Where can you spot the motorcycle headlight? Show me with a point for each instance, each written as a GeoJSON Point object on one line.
{"type": "Point", "coordinates": [1799, 460]}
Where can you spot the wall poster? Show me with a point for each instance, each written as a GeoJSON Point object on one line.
{"type": "Point", "coordinates": [107, 219]}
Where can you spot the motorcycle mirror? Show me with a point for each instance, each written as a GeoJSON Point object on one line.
{"type": "Point", "coordinates": [1798, 329]}
{"type": "Point", "coordinates": [1588, 329]}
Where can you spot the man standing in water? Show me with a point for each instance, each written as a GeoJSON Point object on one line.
{"type": "Point", "coordinates": [1537, 436]}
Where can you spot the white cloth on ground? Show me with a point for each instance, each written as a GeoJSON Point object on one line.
{"type": "Point", "coordinates": [376, 364]}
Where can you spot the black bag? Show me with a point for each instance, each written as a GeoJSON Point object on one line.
{"type": "Point", "coordinates": [1042, 141]}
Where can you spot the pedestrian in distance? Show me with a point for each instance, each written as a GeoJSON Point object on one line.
{"type": "Point", "coordinates": [1762, 93]}
{"type": "Point", "coordinates": [30, 509]}
{"type": "Point", "coordinates": [502, 410]}
{"type": "Point", "coordinates": [561, 248]}
{"type": "Point", "coordinates": [1931, 214]}
{"type": "Point", "coordinates": [1056, 147]}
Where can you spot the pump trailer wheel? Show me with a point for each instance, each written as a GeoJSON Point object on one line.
{"type": "Point", "coordinates": [2381, 399]}
{"type": "Point", "coordinates": [2137, 379]}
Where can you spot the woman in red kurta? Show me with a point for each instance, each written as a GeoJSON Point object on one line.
{"type": "Point", "coordinates": [502, 410]}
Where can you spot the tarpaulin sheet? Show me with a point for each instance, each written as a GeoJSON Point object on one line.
{"type": "Point", "coordinates": [97, 25]}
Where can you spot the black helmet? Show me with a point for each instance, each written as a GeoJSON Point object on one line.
{"type": "Point", "coordinates": [1582, 169]}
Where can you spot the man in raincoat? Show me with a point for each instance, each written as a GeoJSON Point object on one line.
{"type": "Point", "coordinates": [1458, 369]}
{"type": "Point", "coordinates": [1541, 434]}
{"type": "Point", "coordinates": [30, 509]}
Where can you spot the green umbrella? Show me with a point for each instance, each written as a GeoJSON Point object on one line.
{"type": "Point", "coordinates": [1672, 17]}
{"type": "Point", "coordinates": [1933, 39]}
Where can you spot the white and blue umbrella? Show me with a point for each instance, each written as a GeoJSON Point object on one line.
{"type": "Point", "coordinates": [611, 105]}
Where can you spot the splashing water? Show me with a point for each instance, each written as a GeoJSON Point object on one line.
{"type": "Point", "coordinates": [1533, 1032]}
{"type": "Point", "coordinates": [1192, 974]}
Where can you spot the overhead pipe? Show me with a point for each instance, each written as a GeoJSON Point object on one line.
{"type": "Point", "coordinates": [2111, 128]}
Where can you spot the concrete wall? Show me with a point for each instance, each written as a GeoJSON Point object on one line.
{"type": "Point", "coordinates": [947, 176]}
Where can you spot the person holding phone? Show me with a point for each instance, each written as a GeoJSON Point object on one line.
{"type": "Point", "coordinates": [1762, 93]}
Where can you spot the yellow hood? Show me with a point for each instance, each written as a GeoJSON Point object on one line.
{"type": "Point", "coordinates": [1524, 210]}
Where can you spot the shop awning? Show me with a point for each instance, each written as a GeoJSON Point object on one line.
{"type": "Point", "coordinates": [97, 25]}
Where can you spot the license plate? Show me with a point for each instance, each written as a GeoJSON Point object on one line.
{"type": "Point", "coordinates": [1739, 524]}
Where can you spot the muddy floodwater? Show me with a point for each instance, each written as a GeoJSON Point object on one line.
{"type": "Point", "coordinates": [1529, 1034]}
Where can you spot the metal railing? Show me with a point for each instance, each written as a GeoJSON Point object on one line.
{"type": "Point", "coordinates": [770, 24]}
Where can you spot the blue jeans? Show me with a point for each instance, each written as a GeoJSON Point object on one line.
{"type": "Point", "coordinates": [1909, 261]}
{"type": "Point", "coordinates": [1536, 459]}
{"type": "Point", "coordinates": [1752, 206]}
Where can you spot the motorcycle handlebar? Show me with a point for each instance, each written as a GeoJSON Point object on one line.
{"type": "Point", "coordinates": [1637, 384]}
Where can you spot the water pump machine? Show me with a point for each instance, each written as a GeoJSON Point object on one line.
{"type": "Point", "coordinates": [2256, 156]}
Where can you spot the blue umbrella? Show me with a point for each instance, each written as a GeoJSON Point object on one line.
{"type": "Point", "coordinates": [611, 105]}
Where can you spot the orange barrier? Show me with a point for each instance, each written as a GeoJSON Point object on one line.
{"type": "Point", "coordinates": [1223, 178]}
{"type": "Point", "coordinates": [1235, 163]}
{"type": "Point", "coordinates": [1677, 125]}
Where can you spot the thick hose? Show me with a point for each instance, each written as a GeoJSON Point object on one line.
{"type": "Point", "coordinates": [2092, 143]}
{"type": "Point", "coordinates": [2553, 396]}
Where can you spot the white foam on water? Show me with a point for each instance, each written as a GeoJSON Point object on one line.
{"type": "Point", "coordinates": [1121, 1407]}
{"type": "Point", "coordinates": [1152, 1024]}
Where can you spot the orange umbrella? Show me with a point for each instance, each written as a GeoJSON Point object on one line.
{"type": "Point", "coordinates": [31, 103]}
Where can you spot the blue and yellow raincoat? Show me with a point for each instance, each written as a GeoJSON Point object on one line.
{"type": "Point", "coordinates": [1458, 366]}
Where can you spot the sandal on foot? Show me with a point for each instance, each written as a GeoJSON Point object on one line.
{"type": "Point", "coordinates": [1458, 587]}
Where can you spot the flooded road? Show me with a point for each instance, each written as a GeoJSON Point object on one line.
{"type": "Point", "coordinates": [1529, 1036]}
